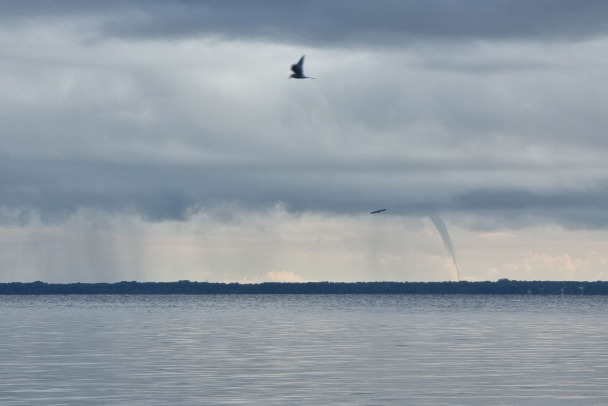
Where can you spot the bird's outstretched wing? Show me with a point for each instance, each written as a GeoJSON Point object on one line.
{"type": "Point", "coordinates": [298, 68]}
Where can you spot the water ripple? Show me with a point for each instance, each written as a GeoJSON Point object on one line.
{"type": "Point", "coordinates": [303, 350]}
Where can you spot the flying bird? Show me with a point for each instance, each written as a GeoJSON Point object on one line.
{"type": "Point", "coordinates": [378, 211]}
{"type": "Point", "coordinates": [298, 70]}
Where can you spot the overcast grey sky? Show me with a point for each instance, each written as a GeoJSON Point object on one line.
{"type": "Point", "coordinates": [161, 140]}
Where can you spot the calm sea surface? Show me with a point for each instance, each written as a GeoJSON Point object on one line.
{"type": "Point", "coordinates": [303, 350]}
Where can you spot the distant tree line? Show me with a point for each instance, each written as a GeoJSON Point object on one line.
{"type": "Point", "coordinates": [501, 287]}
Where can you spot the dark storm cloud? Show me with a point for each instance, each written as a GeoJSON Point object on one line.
{"type": "Point", "coordinates": [57, 190]}
{"type": "Point", "coordinates": [570, 208]}
{"type": "Point", "coordinates": [322, 23]}
{"type": "Point", "coordinates": [92, 125]}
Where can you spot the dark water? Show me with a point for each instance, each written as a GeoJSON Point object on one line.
{"type": "Point", "coordinates": [303, 350]}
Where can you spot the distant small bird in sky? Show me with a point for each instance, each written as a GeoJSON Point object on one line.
{"type": "Point", "coordinates": [377, 211]}
{"type": "Point", "coordinates": [298, 70]}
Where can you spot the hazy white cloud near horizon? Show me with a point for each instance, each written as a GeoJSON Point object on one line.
{"type": "Point", "coordinates": [162, 140]}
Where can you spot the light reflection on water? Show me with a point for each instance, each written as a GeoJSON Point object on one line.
{"type": "Point", "coordinates": [303, 350]}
